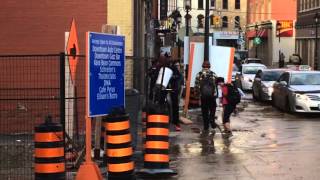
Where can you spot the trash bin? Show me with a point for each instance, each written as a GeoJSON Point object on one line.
{"type": "Point", "coordinates": [133, 108]}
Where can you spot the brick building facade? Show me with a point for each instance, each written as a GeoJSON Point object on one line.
{"type": "Point", "coordinates": [37, 27]}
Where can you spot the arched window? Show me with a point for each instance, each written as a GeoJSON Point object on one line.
{"type": "Point", "coordinates": [237, 22]}
{"type": "Point", "coordinates": [200, 18]}
{"type": "Point", "coordinates": [224, 21]}
{"type": "Point", "coordinates": [237, 4]}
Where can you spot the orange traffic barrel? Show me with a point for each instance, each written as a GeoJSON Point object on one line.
{"type": "Point", "coordinates": [49, 152]}
{"type": "Point", "coordinates": [119, 149]}
{"type": "Point", "coordinates": [156, 153]}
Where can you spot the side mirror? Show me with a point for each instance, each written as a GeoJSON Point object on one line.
{"type": "Point", "coordinates": [283, 83]}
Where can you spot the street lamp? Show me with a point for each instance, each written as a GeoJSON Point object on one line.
{"type": "Point", "coordinates": [281, 60]}
{"type": "Point", "coordinates": [206, 32]}
{"type": "Point", "coordinates": [187, 8]}
{"type": "Point", "coordinates": [177, 20]}
{"type": "Point", "coordinates": [239, 37]}
{"type": "Point", "coordinates": [256, 35]}
{"type": "Point", "coordinates": [316, 20]}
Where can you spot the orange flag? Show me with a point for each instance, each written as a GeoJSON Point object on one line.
{"type": "Point", "coordinates": [73, 50]}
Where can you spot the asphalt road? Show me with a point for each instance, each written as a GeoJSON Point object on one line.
{"type": "Point", "coordinates": [266, 144]}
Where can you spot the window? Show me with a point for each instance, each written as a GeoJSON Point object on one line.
{"type": "Point", "coordinates": [284, 77]}
{"type": "Point", "coordinates": [259, 74]}
{"type": "Point", "coordinates": [224, 21]}
{"type": "Point", "coordinates": [200, 18]}
{"type": "Point", "coordinates": [237, 22]}
{"type": "Point", "coordinates": [200, 4]}
{"type": "Point", "coordinates": [237, 4]}
{"type": "Point", "coordinates": [212, 20]}
{"type": "Point", "coordinates": [213, 3]}
{"type": "Point", "coordinates": [271, 75]}
{"type": "Point", "coordinates": [225, 4]}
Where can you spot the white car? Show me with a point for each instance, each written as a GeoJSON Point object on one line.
{"type": "Point", "coordinates": [262, 87]}
{"type": "Point", "coordinates": [245, 78]}
{"type": "Point", "coordinates": [297, 91]}
{"type": "Point", "coordinates": [252, 60]}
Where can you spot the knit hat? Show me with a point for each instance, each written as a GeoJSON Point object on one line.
{"type": "Point", "coordinates": [206, 64]}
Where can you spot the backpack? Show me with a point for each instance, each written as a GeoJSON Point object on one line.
{"type": "Point", "coordinates": [233, 96]}
{"type": "Point", "coordinates": [207, 86]}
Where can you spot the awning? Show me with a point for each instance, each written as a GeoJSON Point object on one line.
{"type": "Point", "coordinates": [263, 33]}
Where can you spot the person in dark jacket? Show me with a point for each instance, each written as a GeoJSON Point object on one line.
{"type": "Point", "coordinates": [153, 72]}
{"type": "Point", "coordinates": [176, 82]}
{"type": "Point", "coordinates": [208, 105]}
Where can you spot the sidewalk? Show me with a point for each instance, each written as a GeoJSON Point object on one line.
{"type": "Point", "coordinates": [194, 156]}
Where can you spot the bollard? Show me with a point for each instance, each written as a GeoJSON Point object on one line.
{"type": "Point", "coordinates": [156, 157]}
{"type": "Point", "coordinates": [118, 147]}
{"type": "Point", "coordinates": [49, 152]}
{"type": "Point", "coordinates": [102, 136]}
{"type": "Point", "coordinates": [144, 126]}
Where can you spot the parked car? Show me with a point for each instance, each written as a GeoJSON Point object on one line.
{"type": "Point", "coordinates": [244, 79]}
{"type": "Point", "coordinates": [262, 87]}
{"type": "Point", "coordinates": [297, 91]}
{"type": "Point", "coordinates": [252, 60]}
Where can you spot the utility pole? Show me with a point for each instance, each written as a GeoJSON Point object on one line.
{"type": "Point", "coordinates": [316, 54]}
{"type": "Point", "coordinates": [206, 32]}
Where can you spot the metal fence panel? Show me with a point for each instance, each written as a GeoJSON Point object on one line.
{"type": "Point", "coordinates": [29, 91]}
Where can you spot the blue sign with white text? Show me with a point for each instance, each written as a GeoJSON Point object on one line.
{"type": "Point", "coordinates": [106, 55]}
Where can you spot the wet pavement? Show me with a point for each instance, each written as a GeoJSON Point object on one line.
{"type": "Point", "coordinates": [266, 144]}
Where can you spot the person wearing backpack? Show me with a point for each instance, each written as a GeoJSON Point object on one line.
{"type": "Point", "coordinates": [206, 87]}
{"type": "Point", "coordinates": [230, 98]}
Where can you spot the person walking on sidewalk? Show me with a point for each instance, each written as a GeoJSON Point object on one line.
{"type": "Point", "coordinates": [206, 87]}
{"type": "Point", "coordinates": [175, 84]}
{"type": "Point", "coordinates": [229, 99]}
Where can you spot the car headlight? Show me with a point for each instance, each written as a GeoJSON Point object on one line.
{"type": "Point", "coordinates": [301, 97]}
{"type": "Point", "coordinates": [267, 89]}
{"type": "Point", "coordinates": [270, 89]}
{"type": "Point", "coordinates": [247, 79]}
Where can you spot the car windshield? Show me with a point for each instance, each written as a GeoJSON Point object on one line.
{"type": "Point", "coordinates": [305, 79]}
{"type": "Point", "coordinates": [271, 75]}
{"type": "Point", "coordinates": [251, 69]}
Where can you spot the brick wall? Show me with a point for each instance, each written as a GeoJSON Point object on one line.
{"type": "Point", "coordinates": [35, 26]}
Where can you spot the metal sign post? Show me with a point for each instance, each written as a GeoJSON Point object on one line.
{"type": "Point", "coordinates": [104, 87]}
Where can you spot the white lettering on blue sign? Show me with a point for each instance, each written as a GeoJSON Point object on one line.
{"type": "Point", "coordinates": [106, 72]}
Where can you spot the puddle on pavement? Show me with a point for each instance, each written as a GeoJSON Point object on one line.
{"type": "Point", "coordinates": [209, 145]}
